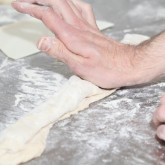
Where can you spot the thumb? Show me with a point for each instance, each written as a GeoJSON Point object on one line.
{"type": "Point", "coordinates": [55, 48]}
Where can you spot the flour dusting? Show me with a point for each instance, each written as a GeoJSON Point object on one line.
{"type": "Point", "coordinates": [36, 85]}
{"type": "Point", "coordinates": [146, 10]}
{"type": "Point", "coordinates": [114, 131]}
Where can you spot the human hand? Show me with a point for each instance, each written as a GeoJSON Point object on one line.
{"type": "Point", "coordinates": [80, 45]}
{"type": "Point", "coordinates": [159, 119]}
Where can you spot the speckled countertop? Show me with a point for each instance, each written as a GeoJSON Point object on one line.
{"type": "Point", "coordinates": [116, 130]}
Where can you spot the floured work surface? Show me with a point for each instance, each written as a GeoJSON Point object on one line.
{"type": "Point", "coordinates": [26, 139]}
{"type": "Point", "coordinates": [104, 134]}
{"type": "Point", "coordinates": [15, 136]}
{"type": "Point", "coordinates": [117, 127]}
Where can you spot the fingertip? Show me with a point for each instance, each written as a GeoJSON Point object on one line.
{"type": "Point", "coordinates": [44, 44]}
{"type": "Point", "coordinates": [20, 6]}
{"type": "Point", "coordinates": [161, 132]}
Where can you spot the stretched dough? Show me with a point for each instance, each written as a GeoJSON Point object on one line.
{"type": "Point", "coordinates": [23, 141]}
{"type": "Point", "coordinates": [26, 139]}
{"type": "Point", "coordinates": [19, 39]}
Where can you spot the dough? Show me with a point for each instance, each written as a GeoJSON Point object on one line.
{"type": "Point", "coordinates": [104, 25]}
{"type": "Point", "coordinates": [134, 39]}
{"type": "Point", "coordinates": [24, 141]}
{"type": "Point", "coordinates": [19, 39]}
{"type": "Point", "coordinates": [5, 1]}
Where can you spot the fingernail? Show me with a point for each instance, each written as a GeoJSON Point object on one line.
{"type": "Point", "coordinates": [161, 132]}
{"type": "Point", "coordinates": [45, 44]}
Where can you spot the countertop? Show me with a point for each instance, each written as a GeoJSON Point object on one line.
{"type": "Point", "coordinates": [116, 130]}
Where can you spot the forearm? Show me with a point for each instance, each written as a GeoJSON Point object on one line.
{"type": "Point", "coordinates": [90, 54]}
{"type": "Point", "coordinates": [150, 58]}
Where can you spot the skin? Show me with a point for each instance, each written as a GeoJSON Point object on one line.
{"type": "Point", "coordinates": [93, 56]}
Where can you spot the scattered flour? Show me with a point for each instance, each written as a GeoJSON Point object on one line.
{"type": "Point", "coordinates": [35, 85]}
{"type": "Point", "coordinates": [146, 10]}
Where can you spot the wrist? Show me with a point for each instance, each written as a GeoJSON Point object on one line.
{"type": "Point", "coordinates": [123, 68]}
{"type": "Point", "coordinates": [149, 61]}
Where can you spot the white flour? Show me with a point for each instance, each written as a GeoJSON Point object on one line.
{"type": "Point", "coordinates": [146, 10]}
{"type": "Point", "coordinates": [35, 85]}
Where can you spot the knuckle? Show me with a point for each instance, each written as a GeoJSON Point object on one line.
{"type": "Point", "coordinates": [46, 11]}
{"type": "Point", "coordinates": [87, 6]}
{"type": "Point", "coordinates": [76, 39]}
{"type": "Point", "coordinates": [78, 23]}
{"type": "Point", "coordinates": [87, 63]}
{"type": "Point", "coordinates": [92, 37]}
{"type": "Point", "coordinates": [72, 36]}
{"type": "Point", "coordinates": [59, 47]}
{"type": "Point", "coordinates": [160, 115]}
{"type": "Point", "coordinates": [67, 36]}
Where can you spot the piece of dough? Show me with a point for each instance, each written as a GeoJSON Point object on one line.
{"type": "Point", "coordinates": [23, 141]}
{"type": "Point", "coordinates": [19, 40]}
{"type": "Point", "coordinates": [5, 1]}
{"type": "Point", "coordinates": [134, 39]}
{"type": "Point", "coordinates": [102, 25]}
{"type": "Point", "coordinates": [26, 139]}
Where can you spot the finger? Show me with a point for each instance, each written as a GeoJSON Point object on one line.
{"type": "Point", "coordinates": [55, 48]}
{"type": "Point", "coordinates": [62, 30]}
{"type": "Point", "coordinates": [31, 9]}
{"type": "Point", "coordinates": [40, 2]}
{"type": "Point", "coordinates": [85, 22]}
{"type": "Point", "coordinates": [46, 15]}
{"type": "Point", "coordinates": [66, 11]}
{"type": "Point", "coordinates": [87, 12]}
{"type": "Point", "coordinates": [159, 115]}
{"type": "Point", "coordinates": [75, 9]}
{"type": "Point", "coordinates": [161, 132]}
{"type": "Point", "coordinates": [61, 6]}
{"type": "Point", "coordinates": [71, 37]}
{"type": "Point", "coordinates": [69, 10]}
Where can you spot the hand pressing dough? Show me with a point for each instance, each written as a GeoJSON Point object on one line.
{"type": "Point", "coordinates": [19, 39]}
{"type": "Point", "coordinates": [26, 139]}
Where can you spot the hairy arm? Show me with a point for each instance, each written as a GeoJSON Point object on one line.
{"type": "Point", "coordinates": [90, 54]}
{"type": "Point", "coordinates": [151, 55]}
